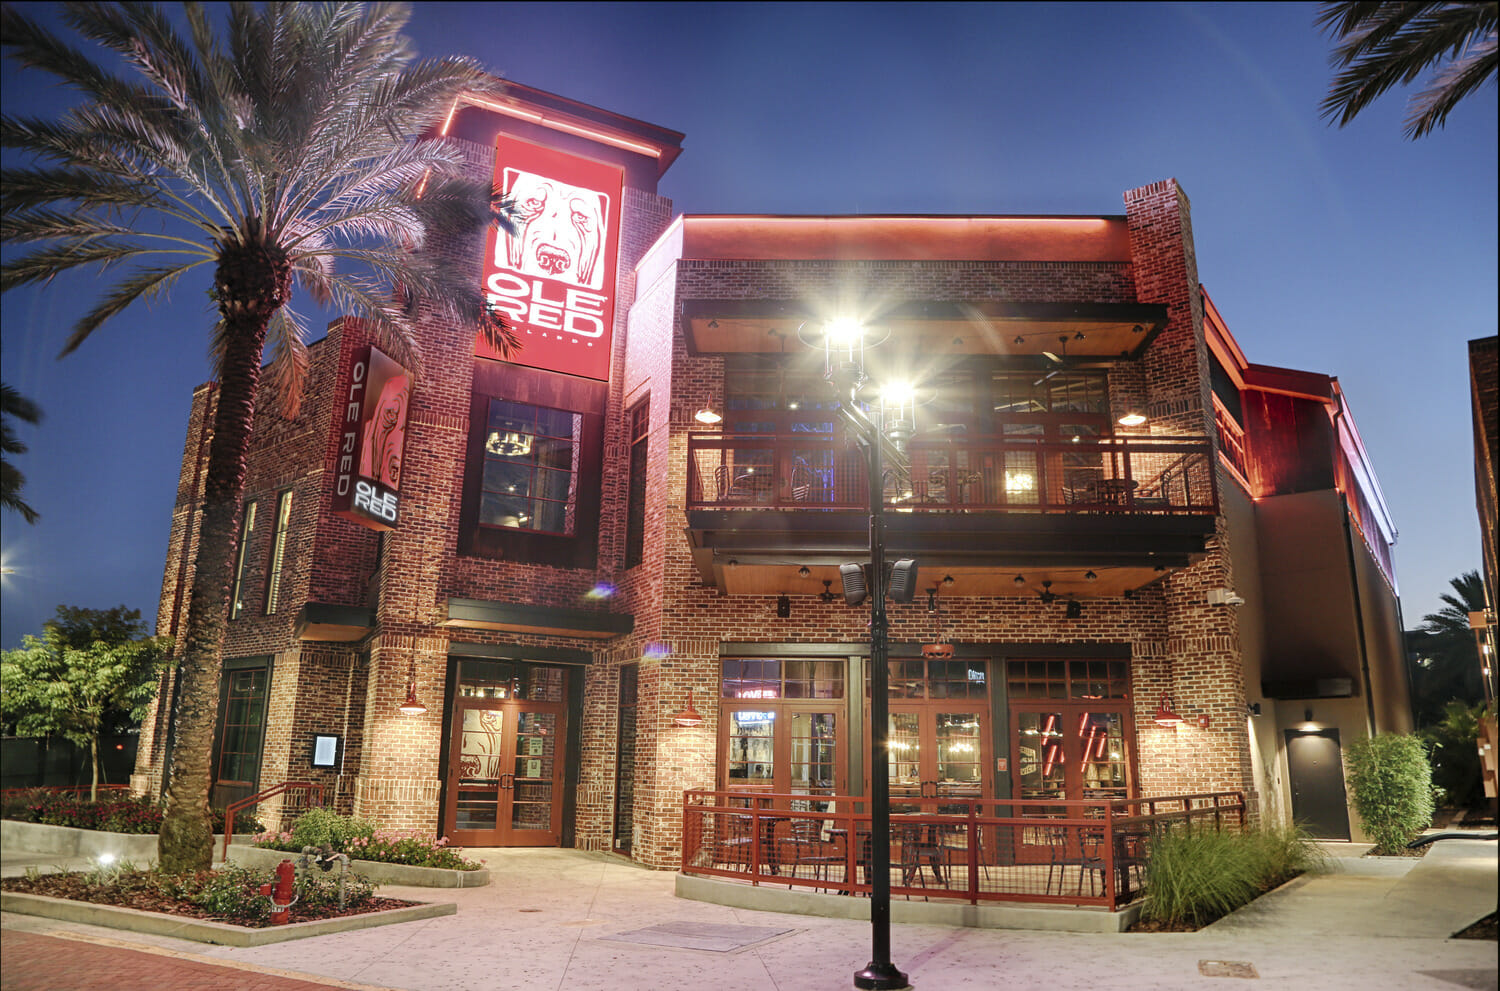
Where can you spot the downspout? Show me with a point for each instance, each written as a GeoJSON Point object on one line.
{"type": "Point", "coordinates": [1359, 612]}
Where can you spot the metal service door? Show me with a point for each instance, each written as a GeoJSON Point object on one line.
{"type": "Point", "coordinates": [1316, 772]}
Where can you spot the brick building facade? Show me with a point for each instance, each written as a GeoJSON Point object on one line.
{"type": "Point", "coordinates": [578, 558]}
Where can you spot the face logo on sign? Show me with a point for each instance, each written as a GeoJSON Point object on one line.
{"type": "Point", "coordinates": [385, 434]}
{"type": "Point", "coordinates": [561, 230]}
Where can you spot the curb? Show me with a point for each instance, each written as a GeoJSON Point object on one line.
{"type": "Point", "coordinates": [199, 930]}
{"type": "Point", "coordinates": [68, 841]}
{"type": "Point", "coordinates": [380, 873]}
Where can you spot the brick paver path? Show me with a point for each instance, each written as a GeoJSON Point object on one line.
{"type": "Point", "coordinates": [34, 962]}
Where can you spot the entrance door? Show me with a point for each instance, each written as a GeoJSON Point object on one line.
{"type": "Point", "coordinates": [1316, 772]}
{"type": "Point", "coordinates": [936, 752]}
{"type": "Point", "coordinates": [507, 786]}
{"type": "Point", "coordinates": [1066, 750]}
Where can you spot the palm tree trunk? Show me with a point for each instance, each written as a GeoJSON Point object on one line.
{"type": "Point", "coordinates": [251, 285]}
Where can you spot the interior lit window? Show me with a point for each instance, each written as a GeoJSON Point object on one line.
{"type": "Point", "coordinates": [247, 530]}
{"type": "Point", "coordinates": [278, 550]}
{"type": "Point", "coordinates": [530, 468]}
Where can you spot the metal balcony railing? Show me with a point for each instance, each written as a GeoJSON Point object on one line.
{"type": "Point", "coordinates": [1125, 474]}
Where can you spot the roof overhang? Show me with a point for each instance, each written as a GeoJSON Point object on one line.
{"type": "Point", "coordinates": [510, 617]}
{"type": "Point", "coordinates": [325, 622]}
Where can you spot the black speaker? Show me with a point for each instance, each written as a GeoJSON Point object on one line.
{"type": "Point", "coordinates": [783, 606]}
{"type": "Point", "coordinates": [903, 587]}
{"type": "Point", "coordinates": [1074, 610]}
{"type": "Point", "coordinates": [852, 579]}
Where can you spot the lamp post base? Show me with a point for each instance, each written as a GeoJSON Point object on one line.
{"type": "Point", "coordinates": [882, 976]}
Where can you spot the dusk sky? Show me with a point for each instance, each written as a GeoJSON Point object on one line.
{"type": "Point", "coordinates": [1352, 252]}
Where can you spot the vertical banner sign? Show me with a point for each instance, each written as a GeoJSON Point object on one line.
{"type": "Point", "coordinates": [371, 425]}
{"type": "Point", "coordinates": [554, 278]}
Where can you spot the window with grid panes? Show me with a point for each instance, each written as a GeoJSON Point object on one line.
{"type": "Point", "coordinates": [530, 477]}
{"type": "Point", "coordinates": [1078, 679]}
{"type": "Point", "coordinates": [278, 550]}
{"type": "Point", "coordinates": [244, 724]}
{"type": "Point", "coordinates": [247, 531]}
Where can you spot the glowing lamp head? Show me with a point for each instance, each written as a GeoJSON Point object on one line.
{"type": "Point", "coordinates": [844, 333]}
{"type": "Point", "coordinates": [1132, 419]}
{"type": "Point", "coordinates": [707, 415]}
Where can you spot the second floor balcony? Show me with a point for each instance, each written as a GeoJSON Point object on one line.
{"type": "Point", "coordinates": [1119, 507]}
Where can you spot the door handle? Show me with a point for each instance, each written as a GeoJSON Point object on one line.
{"type": "Point", "coordinates": [507, 782]}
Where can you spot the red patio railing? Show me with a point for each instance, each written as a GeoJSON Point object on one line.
{"type": "Point", "coordinates": [1131, 474]}
{"type": "Point", "coordinates": [974, 850]}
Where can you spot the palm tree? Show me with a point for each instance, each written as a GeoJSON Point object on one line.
{"type": "Point", "coordinates": [273, 153]}
{"type": "Point", "coordinates": [1446, 667]}
{"type": "Point", "coordinates": [12, 403]}
{"type": "Point", "coordinates": [1382, 44]}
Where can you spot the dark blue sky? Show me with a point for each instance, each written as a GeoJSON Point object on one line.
{"type": "Point", "coordinates": [1350, 252]}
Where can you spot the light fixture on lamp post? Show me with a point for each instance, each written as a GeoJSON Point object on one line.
{"type": "Point", "coordinates": [843, 355]}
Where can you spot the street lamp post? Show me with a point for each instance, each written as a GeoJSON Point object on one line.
{"type": "Point", "coordinates": [844, 369]}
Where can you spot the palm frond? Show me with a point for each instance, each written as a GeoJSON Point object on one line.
{"type": "Point", "coordinates": [42, 264]}
{"type": "Point", "coordinates": [12, 403]}
{"type": "Point", "coordinates": [141, 284]}
{"type": "Point", "coordinates": [1383, 45]}
{"type": "Point", "coordinates": [24, 189]}
{"type": "Point", "coordinates": [286, 373]}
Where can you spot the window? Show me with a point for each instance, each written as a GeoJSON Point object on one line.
{"type": "Point", "coordinates": [635, 510]}
{"type": "Point", "coordinates": [1068, 679]}
{"type": "Point", "coordinates": [278, 550]}
{"type": "Point", "coordinates": [534, 469]}
{"type": "Point", "coordinates": [247, 530]}
{"type": "Point", "coordinates": [780, 727]}
{"type": "Point", "coordinates": [244, 724]}
{"type": "Point", "coordinates": [762, 398]}
{"type": "Point", "coordinates": [531, 460]}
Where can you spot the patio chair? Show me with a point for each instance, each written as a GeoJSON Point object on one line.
{"type": "Point", "coordinates": [1062, 858]}
{"type": "Point", "coordinates": [920, 848]}
{"type": "Point", "coordinates": [811, 849]}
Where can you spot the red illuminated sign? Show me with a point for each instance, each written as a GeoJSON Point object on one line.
{"type": "Point", "coordinates": [554, 279]}
{"type": "Point", "coordinates": [371, 427]}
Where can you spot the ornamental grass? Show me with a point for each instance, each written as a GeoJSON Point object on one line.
{"type": "Point", "coordinates": [1194, 877]}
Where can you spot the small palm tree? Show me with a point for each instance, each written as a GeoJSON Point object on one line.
{"type": "Point", "coordinates": [277, 154]}
{"type": "Point", "coordinates": [12, 403]}
{"type": "Point", "coordinates": [1382, 44]}
{"type": "Point", "coordinates": [1447, 666]}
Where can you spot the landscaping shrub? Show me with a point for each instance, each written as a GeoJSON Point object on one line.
{"type": "Point", "coordinates": [318, 826]}
{"type": "Point", "coordinates": [110, 815]}
{"type": "Point", "coordinates": [362, 841]}
{"type": "Point", "coordinates": [1194, 877]}
{"type": "Point", "coordinates": [232, 893]}
{"type": "Point", "coordinates": [1392, 784]}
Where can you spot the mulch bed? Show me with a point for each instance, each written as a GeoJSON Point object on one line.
{"type": "Point", "coordinates": [1485, 928]}
{"type": "Point", "coordinates": [75, 887]}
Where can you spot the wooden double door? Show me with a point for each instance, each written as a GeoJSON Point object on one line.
{"type": "Point", "coordinates": [1070, 750]}
{"type": "Point", "coordinates": [505, 786]}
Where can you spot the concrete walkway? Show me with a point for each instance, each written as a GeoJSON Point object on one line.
{"type": "Point", "coordinates": [560, 919]}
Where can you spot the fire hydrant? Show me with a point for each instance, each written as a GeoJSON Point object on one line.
{"type": "Point", "coordinates": [281, 893]}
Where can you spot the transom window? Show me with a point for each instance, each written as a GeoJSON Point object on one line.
{"type": "Point", "coordinates": [531, 456]}
{"type": "Point", "coordinates": [777, 679]}
{"type": "Point", "coordinates": [919, 678]}
{"type": "Point", "coordinates": [1068, 679]}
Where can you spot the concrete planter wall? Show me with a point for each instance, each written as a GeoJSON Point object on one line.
{"type": "Point", "coordinates": [65, 842]}
{"type": "Point", "coordinates": [403, 874]}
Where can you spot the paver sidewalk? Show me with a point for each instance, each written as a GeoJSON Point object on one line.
{"type": "Point", "coordinates": [36, 962]}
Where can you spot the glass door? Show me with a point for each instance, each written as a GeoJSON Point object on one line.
{"type": "Point", "coordinates": [509, 755]}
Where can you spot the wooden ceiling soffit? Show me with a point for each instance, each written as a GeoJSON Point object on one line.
{"type": "Point", "coordinates": [980, 327]}
{"type": "Point", "coordinates": [510, 617]}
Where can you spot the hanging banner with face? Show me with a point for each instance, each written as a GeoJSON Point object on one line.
{"type": "Point", "coordinates": [554, 278]}
{"type": "Point", "coordinates": [371, 426]}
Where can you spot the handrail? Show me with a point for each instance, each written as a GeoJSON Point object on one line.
{"type": "Point", "coordinates": [259, 797]}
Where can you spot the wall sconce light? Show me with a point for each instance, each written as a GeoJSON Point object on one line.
{"type": "Point", "coordinates": [1254, 708]}
{"type": "Point", "coordinates": [411, 707]}
{"type": "Point", "coordinates": [1132, 418]}
{"type": "Point", "coordinates": [689, 716]}
{"type": "Point", "coordinates": [1165, 714]}
{"type": "Point", "coordinates": [707, 415]}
